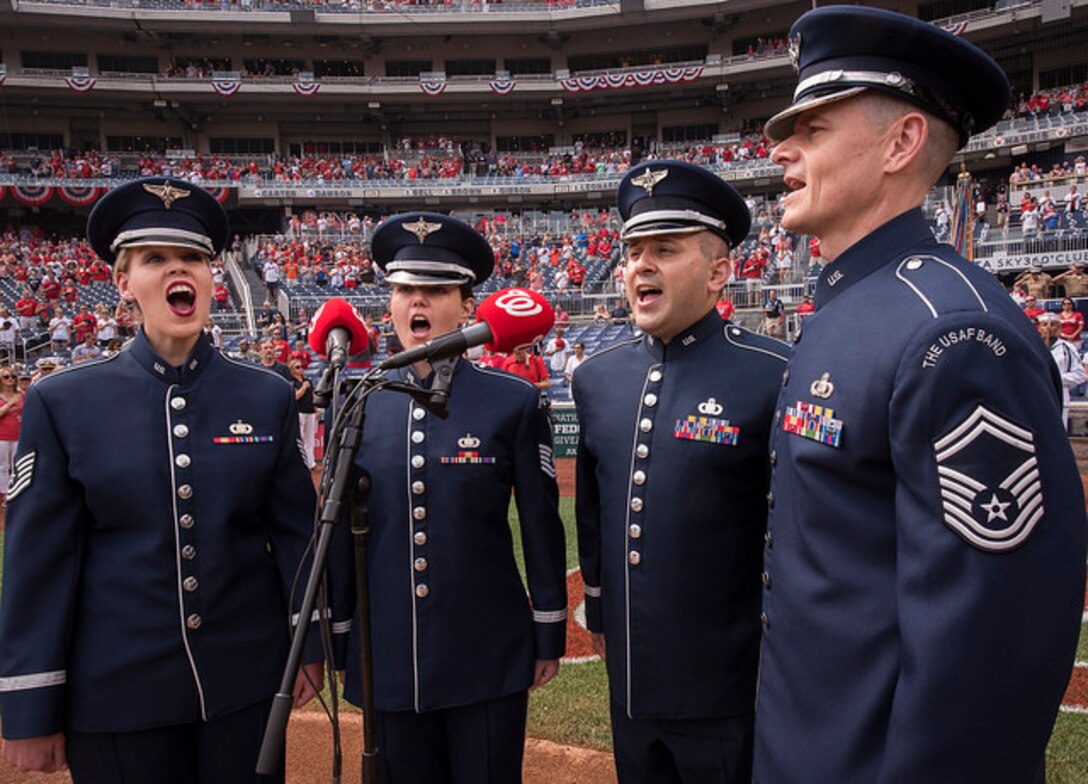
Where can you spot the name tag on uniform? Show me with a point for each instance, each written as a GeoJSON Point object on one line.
{"type": "Point", "coordinates": [813, 422]}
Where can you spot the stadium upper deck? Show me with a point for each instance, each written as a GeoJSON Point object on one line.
{"type": "Point", "coordinates": [270, 80]}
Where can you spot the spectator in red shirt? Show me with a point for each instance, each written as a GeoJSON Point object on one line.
{"type": "Point", "coordinates": [27, 308]}
{"type": "Point", "coordinates": [84, 323]}
{"type": "Point", "coordinates": [1031, 308]}
{"type": "Point", "coordinates": [528, 366]}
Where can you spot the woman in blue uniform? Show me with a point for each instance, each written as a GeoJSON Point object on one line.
{"type": "Point", "coordinates": [159, 510]}
{"type": "Point", "coordinates": [456, 643]}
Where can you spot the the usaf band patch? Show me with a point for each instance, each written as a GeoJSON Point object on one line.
{"type": "Point", "coordinates": [989, 480]}
{"type": "Point", "coordinates": [23, 475]}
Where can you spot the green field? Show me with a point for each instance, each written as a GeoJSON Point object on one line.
{"type": "Point", "coordinates": [574, 707]}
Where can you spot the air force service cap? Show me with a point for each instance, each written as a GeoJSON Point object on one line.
{"type": "Point", "coordinates": [430, 249]}
{"type": "Point", "coordinates": [841, 50]}
{"type": "Point", "coordinates": [157, 211]}
{"type": "Point", "coordinates": [675, 197]}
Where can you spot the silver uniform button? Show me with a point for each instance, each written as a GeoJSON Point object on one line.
{"type": "Point", "coordinates": [186, 521]}
{"type": "Point", "coordinates": [419, 513]}
{"type": "Point", "coordinates": [185, 492]}
{"type": "Point", "coordinates": [650, 400]}
{"type": "Point", "coordinates": [642, 451]}
{"type": "Point", "coordinates": [634, 557]}
{"type": "Point", "coordinates": [639, 477]}
{"type": "Point", "coordinates": [188, 552]}
{"type": "Point", "coordinates": [655, 376]}
{"type": "Point", "coordinates": [177, 403]}
{"type": "Point", "coordinates": [635, 530]}
{"type": "Point", "coordinates": [636, 504]}
{"type": "Point", "coordinates": [418, 461]}
{"type": "Point", "coordinates": [420, 537]}
{"type": "Point", "coordinates": [418, 487]}
{"type": "Point", "coordinates": [189, 584]}
{"type": "Point", "coordinates": [418, 413]}
{"type": "Point", "coordinates": [194, 621]}
{"type": "Point", "coordinates": [646, 425]}
{"type": "Point", "coordinates": [180, 431]}
{"type": "Point", "coordinates": [417, 436]}
{"type": "Point", "coordinates": [422, 590]}
{"type": "Point", "coordinates": [420, 564]}
{"type": "Point", "coordinates": [182, 461]}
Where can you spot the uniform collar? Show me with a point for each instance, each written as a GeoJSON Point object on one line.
{"type": "Point", "coordinates": [158, 367]}
{"type": "Point", "coordinates": [688, 339]}
{"type": "Point", "coordinates": [870, 253]}
{"type": "Point", "coordinates": [409, 374]}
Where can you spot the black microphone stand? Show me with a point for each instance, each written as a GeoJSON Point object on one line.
{"type": "Point", "coordinates": [346, 476]}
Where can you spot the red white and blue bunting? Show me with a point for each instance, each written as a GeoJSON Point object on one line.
{"type": "Point", "coordinates": [581, 84]}
{"type": "Point", "coordinates": [32, 195]}
{"type": "Point", "coordinates": [80, 84]}
{"type": "Point", "coordinates": [433, 88]}
{"type": "Point", "coordinates": [219, 194]}
{"type": "Point", "coordinates": [79, 195]}
{"type": "Point", "coordinates": [306, 89]}
{"type": "Point", "coordinates": [502, 86]}
{"type": "Point", "coordinates": [226, 88]}
{"type": "Point", "coordinates": [958, 29]}
{"type": "Point", "coordinates": [3, 191]}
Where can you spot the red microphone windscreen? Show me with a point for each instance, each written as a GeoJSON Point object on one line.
{"type": "Point", "coordinates": [335, 313]}
{"type": "Point", "coordinates": [516, 317]}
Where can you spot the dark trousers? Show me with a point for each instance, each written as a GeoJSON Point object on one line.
{"type": "Point", "coordinates": [221, 751]}
{"type": "Point", "coordinates": [682, 751]}
{"type": "Point", "coordinates": [482, 743]}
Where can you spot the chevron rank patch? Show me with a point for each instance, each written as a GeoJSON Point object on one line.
{"type": "Point", "coordinates": [22, 475]}
{"type": "Point", "coordinates": [991, 494]}
{"type": "Point", "coordinates": [547, 461]}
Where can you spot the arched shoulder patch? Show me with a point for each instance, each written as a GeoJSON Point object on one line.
{"type": "Point", "coordinates": [940, 285]}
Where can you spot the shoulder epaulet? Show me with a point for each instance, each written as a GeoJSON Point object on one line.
{"type": "Point", "coordinates": [740, 337]}
{"type": "Point", "coordinates": [505, 375]}
{"type": "Point", "coordinates": [606, 351]}
{"type": "Point", "coordinates": [85, 365]}
{"type": "Point", "coordinates": [940, 284]}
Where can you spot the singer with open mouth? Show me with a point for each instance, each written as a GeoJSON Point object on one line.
{"type": "Point", "coordinates": [159, 510]}
{"type": "Point", "coordinates": [456, 644]}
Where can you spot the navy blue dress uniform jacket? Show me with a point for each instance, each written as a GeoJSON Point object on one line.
{"type": "Point", "coordinates": [926, 542]}
{"type": "Point", "coordinates": [450, 620]}
{"type": "Point", "coordinates": [155, 521]}
{"type": "Point", "coordinates": [672, 481]}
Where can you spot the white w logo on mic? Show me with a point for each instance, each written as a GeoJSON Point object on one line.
{"type": "Point", "coordinates": [519, 303]}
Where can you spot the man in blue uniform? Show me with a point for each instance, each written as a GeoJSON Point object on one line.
{"type": "Point", "coordinates": [159, 511]}
{"type": "Point", "coordinates": [456, 642]}
{"type": "Point", "coordinates": [926, 542]}
{"type": "Point", "coordinates": [672, 482]}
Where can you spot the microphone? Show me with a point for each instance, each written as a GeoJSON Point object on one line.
{"type": "Point", "coordinates": [505, 320]}
{"type": "Point", "coordinates": [336, 331]}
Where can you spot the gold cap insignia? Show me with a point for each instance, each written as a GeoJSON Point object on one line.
{"type": "Point", "coordinates": [168, 193]}
{"type": "Point", "coordinates": [822, 387]}
{"type": "Point", "coordinates": [241, 428]}
{"type": "Point", "coordinates": [422, 229]}
{"type": "Point", "coordinates": [649, 179]}
{"type": "Point", "coordinates": [710, 407]}
{"type": "Point", "coordinates": [468, 442]}
{"type": "Point", "coordinates": [794, 51]}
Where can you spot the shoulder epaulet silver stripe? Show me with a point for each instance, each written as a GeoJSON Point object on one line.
{"type": "Point", "coordinates": [729, 335]}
